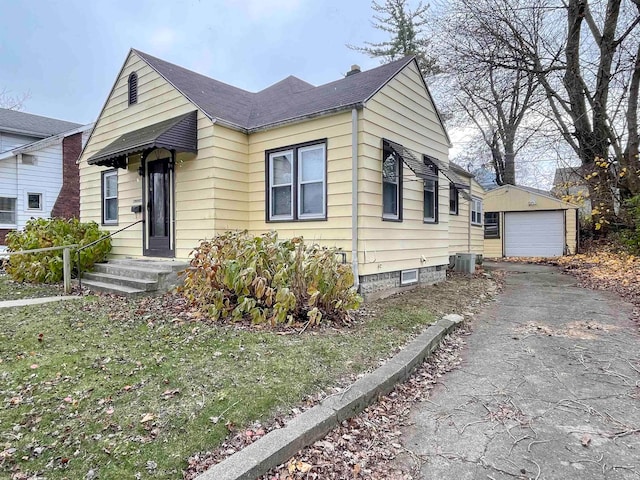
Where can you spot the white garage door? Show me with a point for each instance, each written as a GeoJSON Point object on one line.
{"type": "Point", "coordinates": [534, 234]}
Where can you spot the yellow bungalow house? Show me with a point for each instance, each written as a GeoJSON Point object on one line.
{"type": "Point", "coordinates": [360, 163]}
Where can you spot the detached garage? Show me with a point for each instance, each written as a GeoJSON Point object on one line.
{"type": "Point", "coordinates": [526, 222]}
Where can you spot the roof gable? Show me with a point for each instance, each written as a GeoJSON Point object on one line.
{"type": "Point", "coordinates": [502, 190]}
{"type": "Point", "coordinates": [288, 100]}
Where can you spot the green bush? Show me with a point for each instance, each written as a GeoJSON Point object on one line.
{"type": "Point", "coordinates": [631, 236]}
{"type": "Point", "coordinates": [240, 276]}
{"type": "Point", "coordinates": [47, 267]}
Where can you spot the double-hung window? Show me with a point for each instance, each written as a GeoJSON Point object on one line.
{"type": "Point", "coordinates": [492, 225]}
{"type": "Point", "coordinates": [7, 211]}
{"type": "Point", "coordinates": [110, 197]}
{"type": "Point", "coordinates": [476, 211]}
{"type": "Point", "coordinates": [297, 183]}
{"type": "Point", "coordinates": [430, 188]}
{"type": "Point", "coordinates": [391, 184]}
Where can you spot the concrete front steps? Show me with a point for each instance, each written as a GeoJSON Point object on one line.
{"type": "Point", "coordinates": [134, 277]}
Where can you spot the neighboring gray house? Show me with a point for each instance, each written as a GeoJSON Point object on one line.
{"type": "Point", "coordinates": [38, 170]}
{"type": "Point", "coordinates": [569, 185]}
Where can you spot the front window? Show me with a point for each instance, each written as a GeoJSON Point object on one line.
{"type": "Point", "coordinates": [453, 199]}
{"type": "Point", "coordinates": [34, 201]}
{"type": "Point", "coordinates": [391, 184]}
{"type": "Point", "coordinates": [297, 183]}
{"type": "Point", "coordinates": [492, 225]}
{"type": "Point", "coordinates": [7, 211]}
{"type": "Point", "coordinates": [476, 211]}
{"type": "Point", "coordinates": [110, 197]}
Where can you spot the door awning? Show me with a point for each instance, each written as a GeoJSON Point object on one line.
{"type": "Point", "coordinates": [178, 133]}
{"type": "Point", "coordinates": [425, 169]}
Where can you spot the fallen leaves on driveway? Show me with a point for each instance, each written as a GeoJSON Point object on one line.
{"type": "Point", "coordinates": [603, 270]}
{"type": "Point", "coordinates": [363, 446]}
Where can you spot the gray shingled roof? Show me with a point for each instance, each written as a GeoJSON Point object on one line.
{"type": "Point", "coordinates": [33, 125]}
{"type": "Point", "coordinates": [287, 100]}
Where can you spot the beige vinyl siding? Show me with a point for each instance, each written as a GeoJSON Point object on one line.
{"type": "Point", "coordinates": [571, 225]}
{"type": "Point", "coordinates": [231, 180]}
{"type": "Point", "coordinates": [157, 101]}
{"type": "Point", "coordinates": [463, 236]}
{"type": "Point", "coordinates": [336, 230]}
{"type": "Point", "coordinates": [402, 112]}
{"type": "Point", "coordinates": [514, 199]}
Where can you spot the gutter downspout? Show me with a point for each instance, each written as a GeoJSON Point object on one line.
{"type": "Point", "coordinates": [354, 197]}
{"type": "Point", "coordinates": [469, 219]}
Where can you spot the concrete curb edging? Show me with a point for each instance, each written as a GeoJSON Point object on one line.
{"type": "Point", "coordinates": [36, 301]}
{"type": "Point", "coordinates": [280, 445]}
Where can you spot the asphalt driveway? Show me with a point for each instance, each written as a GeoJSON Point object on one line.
{"type": "Point", "coordinates": [549, 388]}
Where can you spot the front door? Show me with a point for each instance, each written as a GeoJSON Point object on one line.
{"type": "Point", "coordinates": [159, 221]}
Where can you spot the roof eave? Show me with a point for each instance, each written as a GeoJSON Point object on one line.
{"type": "Point", "coordinates": [304, 118]}
{"type": "Point", "coordinates": [24, 132]}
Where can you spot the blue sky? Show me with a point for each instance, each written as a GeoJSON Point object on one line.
{"type": "Point", "coordinates": [66, 54]}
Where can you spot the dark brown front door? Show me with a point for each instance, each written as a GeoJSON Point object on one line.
{"type": "Point", "coordinates": [158, 222]}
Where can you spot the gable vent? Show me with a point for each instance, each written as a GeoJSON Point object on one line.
{"type": "Point", "coordinates": [133, 88]}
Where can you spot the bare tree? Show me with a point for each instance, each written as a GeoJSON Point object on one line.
{"type": "Point", "coordinates": [498, 100]}
{"type": "Point", "coordinates": [407, 29]}
{"type": "Point", "coordinates": [585, 56]}
{"type": "Point", "coordinates": [12, 102]}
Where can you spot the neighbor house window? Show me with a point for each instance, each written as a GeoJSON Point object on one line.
{"type": "Point", "coordinates": [133, 88]}
{"type": "Point", "coordinates": [110, 197]}
{"type": "Point", "coordinates": [391, 184]}
{"type": "Point", "coordinates": [492, 225]}
{"type": "Point", "coordinates": [7, 211]}
{"type": "Point", "coordinates": [476, 211]}
{"type": "Point", "coordinates": [34, 201]}
{"type": "Point", "coordinates": [28, 159]}
{"type": "Point", "coordinates": [297, 183]}
{"type": "Point", "coordinates": [430, 187]}
{"type": "Point", "coordinates": [453, 199]}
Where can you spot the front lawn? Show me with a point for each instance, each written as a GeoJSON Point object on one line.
{"type": "Point", "coordinates": [10, 290]}
{"type": "Point", "coordinates": [112, 388]}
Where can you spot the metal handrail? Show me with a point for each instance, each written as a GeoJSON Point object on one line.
{"type": "Point", "coordinates": [98, 241]}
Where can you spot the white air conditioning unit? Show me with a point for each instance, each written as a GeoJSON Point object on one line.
{"type": "Point", "coordinates": [465, 262]}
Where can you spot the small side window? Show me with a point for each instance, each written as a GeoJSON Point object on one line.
{"type": "Point", "coordinates": [492, 225]}
{"type": "Point", "coordinates": [34, 201]}
{"type": "Point", "coordinates": [453, 199]}
{"type": "Point", "coordinates": [110, 197]}
{"type": "Point", "coordinates": [133, 88]}
{"type": "Point", "coordinates": [391, 184]}
{"type": "Point", "coordinates": [476, 211]}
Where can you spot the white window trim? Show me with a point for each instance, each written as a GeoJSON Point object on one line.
{"type": "Point", "coordinates": [435, 199]}
{"type": "Point", "coordinates": [15, 213]}
{"type": "Point", "coordinates": [411, 281]}
{"type": "Point", "coordinates": [323, 213]}
{"type": "Point", "coordinates": [39, 209]}
{"type": "Point", "coordinates": [392, 216]}
{"type": "Point", "coordinates": [476, 202]}
{"type": "Point", "coordinates": [106, 175]}
{"type": "Point", "coordinates": [272, 185]}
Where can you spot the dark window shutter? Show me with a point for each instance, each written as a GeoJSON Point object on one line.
{"type": "Point", "coordinates": [133, 88]}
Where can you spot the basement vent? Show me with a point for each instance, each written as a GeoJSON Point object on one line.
{"type": "Point", "coordinates": [408, 277]}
